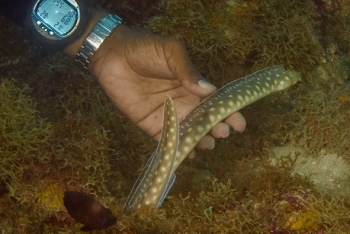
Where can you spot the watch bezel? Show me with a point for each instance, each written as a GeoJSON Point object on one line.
{"type": "Point", "coordinates": [45, 27]}
{"type": "Point", "coordinates": [56, 42]}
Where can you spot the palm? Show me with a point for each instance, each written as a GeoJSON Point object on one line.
{"type": "Point", "coordinates": [145, 106]}
{"type": "Point", "coordinates": [138, 70]}
{"type": "Point", "coordinates": [140, 77]}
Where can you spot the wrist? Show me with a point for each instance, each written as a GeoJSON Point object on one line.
{"type": "Point", "coordinates": [109, 49]}
{"type": "Point", "coordinates": [72, 49]}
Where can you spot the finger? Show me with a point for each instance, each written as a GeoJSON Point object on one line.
{"type": "Point", "coordinates": [192, 154]}
{"type": "Point", "coordinates": [194, 83]}
{"type": "Point", "coordinates": [207, 142]}
{"type": "Point", "coordinates": [236, 121]}
{"type": "Point", "coordinates": [184, 71]}
{"type": "Point", "coordinates": [221, 130]}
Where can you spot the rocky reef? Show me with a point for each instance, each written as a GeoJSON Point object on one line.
{"type": "Point", "coordinates": [287, 173]}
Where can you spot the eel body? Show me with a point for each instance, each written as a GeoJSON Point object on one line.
{"type": "Point", "coordinates": [156, 178]}
{"type": "Point", "coordinates": [229, 99]}
{"type": "Point", "coordinates": [176, 142]}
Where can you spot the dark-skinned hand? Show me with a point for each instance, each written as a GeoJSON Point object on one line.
{"type": "Point", "coordinates": [137, 70]}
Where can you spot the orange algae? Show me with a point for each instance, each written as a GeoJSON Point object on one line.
{"type": "Point", "coordinates": [306, 220]}
{"type": "Point", "coordinates": [52, 198]}
{"type": "Point", "coordinates": [342, 98]}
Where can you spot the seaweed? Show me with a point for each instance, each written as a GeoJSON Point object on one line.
{"type": "Point", "coordinates": [237, 37]}
{"type": "Point", "coordinates": [24, 136]}
{"type": "Point", "coordinates": [59, 131]}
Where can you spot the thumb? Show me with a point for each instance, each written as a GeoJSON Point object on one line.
{"type": "Point", "coordinates": [195, 83]}
{"type": "Point", "coordinates": [184, 71]}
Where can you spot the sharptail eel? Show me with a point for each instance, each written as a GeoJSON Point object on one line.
{"type": "Point", "coordinates": [158, 176]}
{"type": "Point", "coordinates": [227, 100]}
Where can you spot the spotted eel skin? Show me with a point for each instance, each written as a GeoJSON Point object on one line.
{"type": "Point", "coordinates": [158, 176]}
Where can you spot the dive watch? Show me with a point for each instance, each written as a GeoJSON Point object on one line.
{"type": "Point", "coordinates": [58, 22]}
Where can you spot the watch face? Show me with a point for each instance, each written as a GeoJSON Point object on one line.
{"type": "Point", "coordinates": [56, 18]}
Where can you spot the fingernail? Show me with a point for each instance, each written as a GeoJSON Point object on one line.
{"type": "Point", "coordinates": [206, 85]}
{"type": "Point", "coordinates": [192, 154]}
{"type": "Point", "coordinates": [228, 132]}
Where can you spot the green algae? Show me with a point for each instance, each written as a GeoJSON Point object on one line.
{"type": "Point", "coordinates": [23, 135]}
{"type": "Point", "coordinates": [225, 37]}
{"type": "Point", "coordinates": [222, 210]}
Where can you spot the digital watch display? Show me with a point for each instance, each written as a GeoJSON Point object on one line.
{"type": "Point", "coordinates": [56, 19]}
{"type": "Point", "coordinates": [58, 22]}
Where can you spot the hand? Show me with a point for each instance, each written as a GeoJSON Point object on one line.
{"type": "Point", "coordinates": [137, 71]}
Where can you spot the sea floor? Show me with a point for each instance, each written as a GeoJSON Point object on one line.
{"type": "Point", "coordinates": [288, 172]}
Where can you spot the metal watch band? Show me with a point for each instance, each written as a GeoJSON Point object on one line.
{"type": "Point", "coordinates": [93, 41]}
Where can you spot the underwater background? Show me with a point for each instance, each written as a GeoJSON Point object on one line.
{"type": "Point", "coordinates": [288, 172]}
